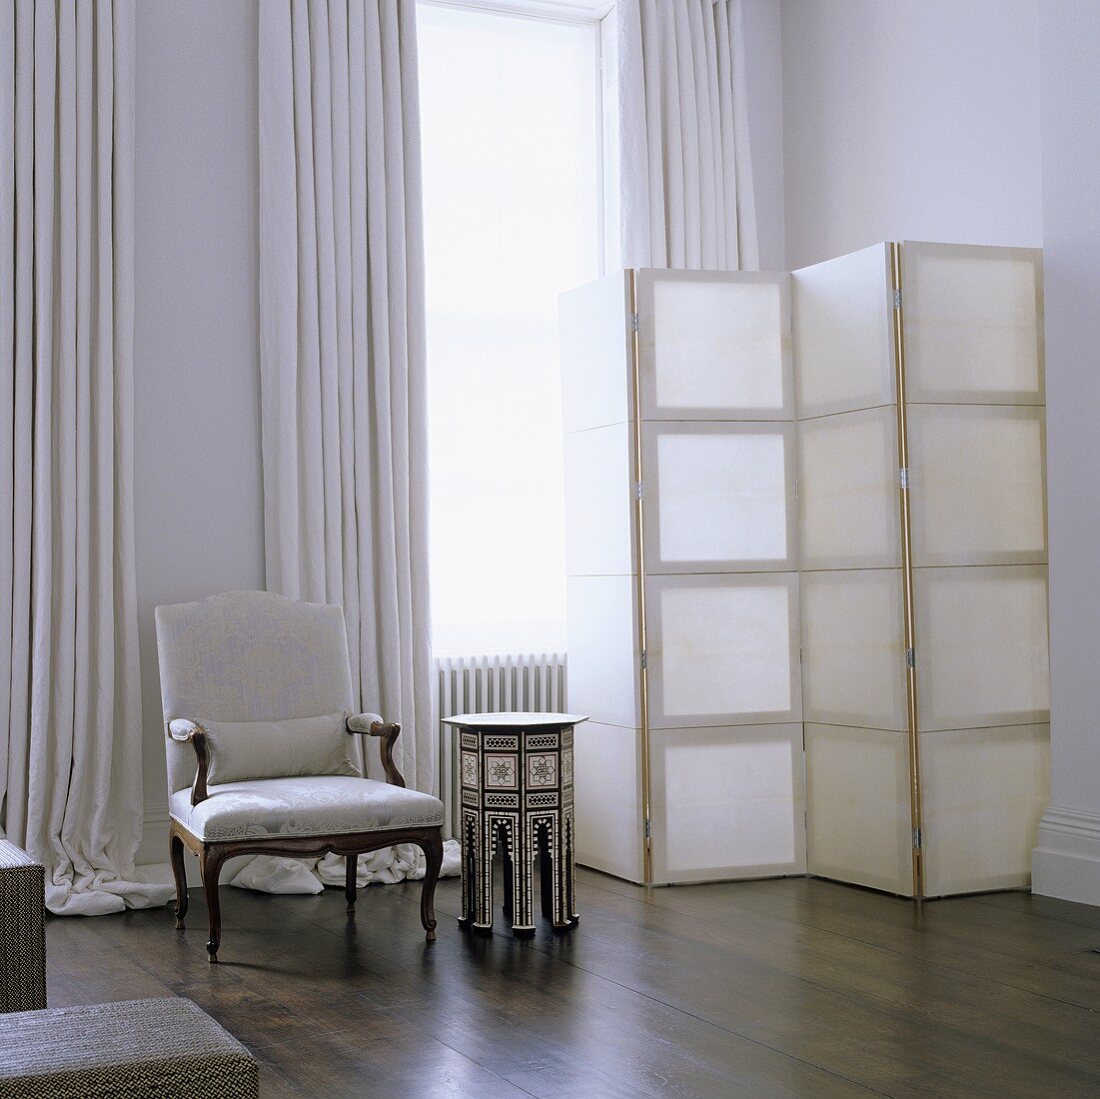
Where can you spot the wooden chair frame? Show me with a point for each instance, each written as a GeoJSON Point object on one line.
{"type": "Point", "coordinates": [213, 855]}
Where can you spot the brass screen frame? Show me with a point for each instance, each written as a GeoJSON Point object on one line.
{"type": "Point", "coordinates": [640, 573]}
{"type": "Point", "coordinates": [901, 405]}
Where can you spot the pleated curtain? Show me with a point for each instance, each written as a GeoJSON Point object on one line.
{"type": "Point", "coordinates": [686, 172]}
{"type": "Point", "coordinates": [70, 725]}
{"type": "Point", "coordinates": [343, 372]}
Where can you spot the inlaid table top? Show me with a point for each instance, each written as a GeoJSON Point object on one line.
{"type": "Point", "coordinates": [514, 721]}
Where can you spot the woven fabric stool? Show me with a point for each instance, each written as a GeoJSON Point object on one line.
{"type": "Point", "coordinates": [22, 930]}
{"type": "Point", "coordinates": [125, 1050]}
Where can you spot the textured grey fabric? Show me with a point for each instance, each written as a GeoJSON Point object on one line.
{"type": "Point", "coordinates": [248, 656]}
{"type": "Point", "coordinates": [128, 1049]}
{"type": "Point", "coordinates": [363, 723]}
{"type": "Point", "coordinates": [315, 806]}
{"type": "Point", "coordinates": [22, 931]}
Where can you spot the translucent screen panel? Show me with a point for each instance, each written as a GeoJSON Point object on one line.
{"type": "Point", "coordinates": [594, 338]}
{"type": "Point", "coordinates": [842, 333]}
{"type": "Point", "coordinates": [848, 494]}
{"type": "Point", "coordinates": [724, 497]}
{"type": "Point", "coordinates": [976, 474]}
{"type": "Point", "coordinates": [857, 807]}
{"type": "Point", "coordinates": [598, 477]}
{"type": "Point", "coordinates": [727, 803]}
{"type": "Point", "coordinates": [606, 784]}
{"type": "Point", "coordinates": [853, 648]}
{"type": "Point", "coordinates": [981, 646]}
{"type": "Point", "coordinates": [603, 651]}
{"type": "Point", "coordinates": [722, 649]}
{"type": "Point", "coordinates": [984, 791]}
{"type": "Point", "coordinates": [973, 323]}
{"type": "Point", "coordinates": [714, 346]}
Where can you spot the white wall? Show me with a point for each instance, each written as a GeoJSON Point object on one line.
{"type": "Point", "coordinates": [910, 119]}
{"type": "Point", "coordinates": [198, 488]}
{"type": "Point", "coordinates": [1067, 860]}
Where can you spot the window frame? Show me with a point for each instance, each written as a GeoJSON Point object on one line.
{"type": "Point", "coordinates": [602, 17]}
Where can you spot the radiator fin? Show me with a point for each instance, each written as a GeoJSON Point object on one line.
{"type": "Point", "coordinates": [527, 683]}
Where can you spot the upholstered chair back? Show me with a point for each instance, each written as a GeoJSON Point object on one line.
{"type": "Point", "coordinates": [248, 656]}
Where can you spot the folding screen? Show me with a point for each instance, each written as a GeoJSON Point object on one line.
{"type": "Point", "coordinates": [860, 811]}
{"type": "Point", "coordinates": [683, 586]}
{"type": "Point", "coordinates": [972, 321]}
{"type": "Point", "coordinates": [713, 609]}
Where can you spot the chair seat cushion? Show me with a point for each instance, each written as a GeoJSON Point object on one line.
{"type": "Point", "coordinates": [304, 806]}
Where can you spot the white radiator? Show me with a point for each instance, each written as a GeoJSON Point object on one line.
{"type": "Point", "coordinates": [529, 683]}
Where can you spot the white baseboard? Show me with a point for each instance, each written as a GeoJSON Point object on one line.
{"type": "Point", "coordinates": [1066, 861]}
{"type": "Point", "coordinates": [154, 838]}
{"type": "Point", "coordinates": [153, 850]}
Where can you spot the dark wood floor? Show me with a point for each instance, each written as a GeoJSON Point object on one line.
{"type": "Point", "coordinates": [791, 987]}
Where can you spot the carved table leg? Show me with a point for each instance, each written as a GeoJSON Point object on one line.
{"type": "Point", "coordinates": [483, 901]}
{"type": "Point", "coordinates": [559, 876]}
{"type": "Point", "coordinates": [470, 847]}
{"type": "Point", "coordinates": [564, 915]}
{"type": "Point", "coordinates": [509, 906]}
{"type": "Point", "coordinates": [523, 850]}
{"type": "Point", "coordinates": [546, 864]}
{"type": "Point", "coordinates": [569, 860]}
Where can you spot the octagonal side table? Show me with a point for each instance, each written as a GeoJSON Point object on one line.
{"type": "Point", "coordinates": [517, 798]}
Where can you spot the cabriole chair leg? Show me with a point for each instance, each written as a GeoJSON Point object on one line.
{"type": "Point", "coordinates": [350, 881]}
{"type": "Point", "coordinates": [433, 857]}
{"type": "Point", "coordinates": [179, 872]}
{"type": "Point", "coordinates": [210, 865]}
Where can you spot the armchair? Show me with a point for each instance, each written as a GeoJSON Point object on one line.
{"type": "Point", "coordinates": [262, 753]}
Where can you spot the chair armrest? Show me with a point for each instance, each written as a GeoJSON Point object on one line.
{"type": "Point", "coordinates": [189, 731]}
{"type": "Point", "coordinates": [364, 724]}
{"type": "Point", "coordinates": [373, 725]}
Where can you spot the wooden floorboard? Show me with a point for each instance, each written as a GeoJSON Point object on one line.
{"type": "Point", "coordinates": [775, 988]}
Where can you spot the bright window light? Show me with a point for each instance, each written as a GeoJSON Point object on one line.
{"type": "Point", "coordinates": [510, 133]}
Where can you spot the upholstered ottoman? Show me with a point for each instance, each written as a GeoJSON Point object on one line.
{"type": "Point", "coordinates": [22, 931]}
{"type": "Point", "coordinates": [129, 1049]}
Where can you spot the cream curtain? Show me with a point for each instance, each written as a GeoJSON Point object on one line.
{"type": "Point", "coordinates": [342, 341]}
{"type": "Point", "coordinates": [70, 724]}
{"type": "Point", "coordinates": [686, 172]}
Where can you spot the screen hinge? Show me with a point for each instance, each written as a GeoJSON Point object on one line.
{"type": "Point", "coordinates": [916, 839]}
{"type": "Point", "coordinates": [903, 476]}
{"type": "Point", "coordinates": [643, 660]}
{"type": "Point", "coordinates": [910, 658]}
{"type": "Point", "coordinates": [648, 829]}
{"type": "Point", "coordinates": [897, 299]}
{"type": "Point", "coordinates": [635, 323]}
{"type": "Point", "coordinates": [639, 490]}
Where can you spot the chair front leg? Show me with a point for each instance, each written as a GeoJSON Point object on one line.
{"type": "Point", "coordinates": [433, 863]}
{"type": "Point", "coordinates": [179, 872]}
{"type": "Point", "coordinates": [210, 866]}
{"type": "Point", "coordinates": [351, 873]}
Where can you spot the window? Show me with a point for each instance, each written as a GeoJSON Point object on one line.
{"type": "Point", "coordinates": [510, 124]}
